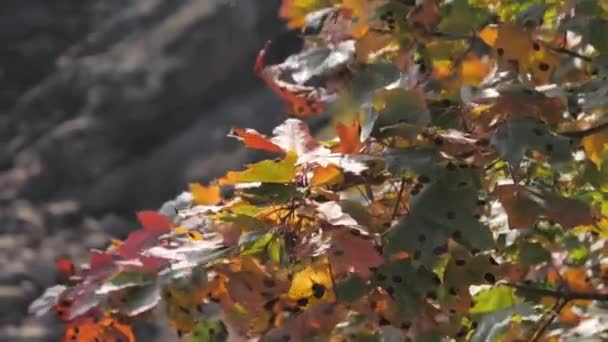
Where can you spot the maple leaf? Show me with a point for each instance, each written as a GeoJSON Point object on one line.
{"type": "Point", "coordinates": [525, 205]}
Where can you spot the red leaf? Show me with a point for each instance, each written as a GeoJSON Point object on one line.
{"type": "Point", "coordinates": [253, 139]}
{"type": "Point", "coordinates": [65, 266]}
{"type": "Point", "coordinates": [135, 243]}
{"type": "Point", "coordinates": [154, 223]}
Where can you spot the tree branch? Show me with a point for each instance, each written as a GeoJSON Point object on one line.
{"type": "Point", "coordinates": [567, 295]}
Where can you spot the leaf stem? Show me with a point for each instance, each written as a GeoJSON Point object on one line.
{"type": "Point", "coordinates": [557, 308]}
{"type": "Point", "coordinates": [399, 195]}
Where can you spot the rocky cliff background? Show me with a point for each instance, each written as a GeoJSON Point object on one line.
{"type": "Point", "coordinates": [112, 106]}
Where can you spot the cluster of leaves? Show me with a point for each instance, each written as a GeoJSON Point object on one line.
{"type": "Point", "coordinates": [464, 196]}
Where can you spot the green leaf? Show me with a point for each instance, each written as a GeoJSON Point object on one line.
{"type": "Point", "coordinates": [407, 285]}
{"type": "Point", "coordinates": [209, 331]}
{"type": "Point", "coordinates": [266, 171]}
{"type": "Point", "coordinates": [351, 289]}
{"type": "Point", "coordinates": [458, 17]}
{"type": "Point", "coordinates": [258, 245]}
{"type": "Point", "coordinates": [270, 193]}
{"type": "Point", "coordinates": [521, 135]}
{"type": "Point", "coordinates": [532, 253]}
{"type": "Point", "coordinates": [497, 298]}
{"type": "Point", "coordinates": [275, 249]}
{"type": "Point", "coordinates": [597, 37]}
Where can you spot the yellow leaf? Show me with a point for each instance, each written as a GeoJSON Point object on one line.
{"type": "Point", "coordinates": [326, 175]}
{"type": "Point", "coordinates": [205, 195]}
{"type": "Point", "coordinates": [312, 285]}
{"type": "Point", "coordinates": [595, 146]}
{"type": "Point", "coordinates": [267, 171]}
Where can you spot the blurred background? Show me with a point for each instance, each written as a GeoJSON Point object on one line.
{"type": "Point", "coordinates": [108, 107]}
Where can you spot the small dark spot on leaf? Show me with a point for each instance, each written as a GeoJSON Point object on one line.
{"type": "Point", "coordinates": [405, 325]}
{"type": "Point", "coordinates": [431, 295]}
{"type": "Point", "coordinates": [459, 262]}
{"type": "Point", "coordinates": [397, 279]}
{"type": "Point", "coordinates": [380, 277]}
{"type": "Point", "coordinates": [500, 51]}
{"type": "Point", "coordinates": [423, 179]}
{"type": "Point", "coordinates": [450, 215]}
{"type": "Point", "coordinates": [536, 46]}
{"type": "Point", "coordinates": [456, 235]}
{"type": "Point", "coordinates": [543, 67]}
{"type": "Point", "coordinates": [450, 166]}
{"type": "Point", "coordinates": [436, 280]}
{"type": "Point", "coordinates": [438, 141]}
{"type": "Point", "coordinates": [548, 147]}
{"type": "Point", "coordinates": [537, 131]}
{"type": "Point", "coordinates": [338, 252]}
{"type": "Point", "coordinates": [475, 251]}
{"type": "Point", "coordinates": [421, 238]}
{"type": "Point", "coordinates": [318, 290]}
{"type": "Point", "coordinates": [493, 261]}
{"type": "Point", "coordinates": [383, 321]}
{"type": "Point", "coordinates": [414, 192]}
{"type": "Point", "coordinates": [390, 290]}
{"type": "Point", "coordinates": [474, 325]}
{"type": "Point", "coordinates": [355, 232]}
{"type": "Point", "coordinates": [453, 291]}
{"type": "Point", "coordinates": [490, 278]}
{"type": "Point", "coordinates": [211, 331]}
{"type": "Point", "coordinates": [441, 249]}
{"type": "Point", "coordinates": [302, 302]}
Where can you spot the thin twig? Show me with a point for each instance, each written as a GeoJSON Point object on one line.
{"type": "Point", "coordinates": [567, 295]}
{"type": "Point", "coordinates": [571, 53]}
{"type": "Point", "coordinates": [399, 194]}
{"type": "Point", "coordinates": [557, 308]}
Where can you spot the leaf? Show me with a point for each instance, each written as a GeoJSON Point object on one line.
{"type": "Point", "coordinates": [154, 223]}
{"type": "Point", "coordinates": [406, 285]}
{"type": "Point", "coordinates": [205, 195]}
{"type": "Point", "coordinates": [328, 175]}
{"type": "Point", "coordinates": [458, 17]}
{"type": "Point", "coordinates": [351, 289]}
{"type": "Point", "coordinates": [518, 136]}
{"type": "Point", "coordinates": [525, 205]}
{"type": "Point", "coordinates": [332, 213]}
{"type": "Point", "coordinates": [255, 140]}
{"type": "Point", "coordinates": [312, 285]}
{"type": "Point", "coordinates": [280, 171]}
{"type": "Point", "coordinates": [532, 253]}
{"type": "Point", "coordinates": [349, 138]}
{"type": "Point", "coordinates": [88, 329]}
{"type": "Point", "coordinates": [65, 266]}
{"type": "Point", "coordinates": [295, 11]}
{"type": "Point", "coordinates": [495, 299]}
{"type": "Point", "coordinates": [319, 60]}
{"type": "Point", "coordinates": [209, 331]}
{"type": "Point", "coordinates": [351, 252]}
{"type": "Point", "coordinates": [595, 146]}
{"type": "Point", "coordinates": [46, 301]}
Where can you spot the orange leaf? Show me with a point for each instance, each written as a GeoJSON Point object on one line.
{"type": "Point", "coordinates": [253, 139]}
{"type": "Point", "coordinates": [350, 141]}
{"type": "Point", "coordinates": [205, 195]}
{"type": "Point", "coordinates": [323, 175]}
{"type": "Point", "coordinates": [595, 145]}
{"type": "Point", "coordinates": [88, 329]}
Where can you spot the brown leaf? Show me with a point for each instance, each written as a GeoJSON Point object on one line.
{"type": "Point", "coordinates": [525, 205]}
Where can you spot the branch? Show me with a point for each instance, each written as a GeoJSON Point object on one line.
{"type": "Point", "coordinates": [567, 295]}
{"type": "Point", "coordinates": [557, 308]}
{"type": "Point", "coordinates": [571, 53]}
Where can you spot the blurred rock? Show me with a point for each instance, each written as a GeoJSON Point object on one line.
{"type": "Point", "coordinates": [113, 106]}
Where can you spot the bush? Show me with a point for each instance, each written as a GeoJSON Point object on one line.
{"type": "Point", "coordinates": [463, 197]}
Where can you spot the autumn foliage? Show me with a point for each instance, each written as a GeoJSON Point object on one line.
{"type": "Point", "coordinates": [464, 197]}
